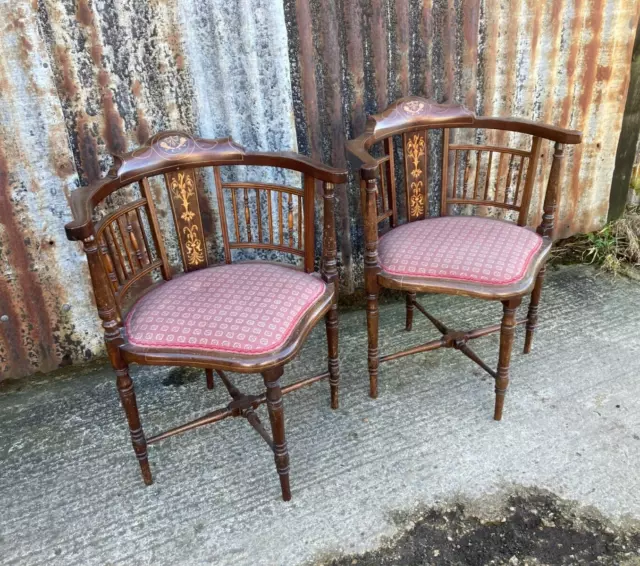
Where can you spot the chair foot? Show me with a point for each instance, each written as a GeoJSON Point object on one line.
{"type": "Point", "coordinates": [276, 417]}
{"type": "Point", "coordinates": [209, 374]}
{"type": "Point", "coordinates": [528, 342]}
{"type": "Point", "coordinates": [128, 400]}
{"type": "Point", "coordinates": [285, 487]}
{"type": "Point", "coordinates": [532, 315]}
{"type": "Point", "coordinates": [331, 323]}
{"type": "Point", "coordinates": [145, 470]}
{"type": "Point", "coordinates": [373, 354]}
{"type": "Point", "coordinates": [411, 297]}
{"type": "Point", "coordinates": [335, 400]}
{"type": "Point", "coordinates": [499, 404]}
{"type": "Point", "coordinates": [507, 332]}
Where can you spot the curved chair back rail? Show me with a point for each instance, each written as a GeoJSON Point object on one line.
{"type": "Point", "coordinates": [253, 214]}
{"type": "Point", "coordinates": [476, 174]}
{"type": "Point", "coordinates": [125, 247]}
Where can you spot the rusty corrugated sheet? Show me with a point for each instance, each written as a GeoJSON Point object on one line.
{"type": "Point", "coordinates": [80, 79]}
{"type": "Point", "coordinates": [83, 79]}
{"type": "Point", "coordinates": [46, 312]}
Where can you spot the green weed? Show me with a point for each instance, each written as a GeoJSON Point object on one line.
{"type": "Point", "coordinates": [615, 248]}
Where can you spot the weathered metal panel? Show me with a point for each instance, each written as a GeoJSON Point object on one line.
{"type": "Point", "coordinates": [47, 316]}
{"type": "Point", "coordinates": [82, 78]}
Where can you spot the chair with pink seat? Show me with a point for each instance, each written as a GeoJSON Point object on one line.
{"type": "Point", "coordinates": [242, 316]}
{"type": "Point", "coordinates": [419, 157]}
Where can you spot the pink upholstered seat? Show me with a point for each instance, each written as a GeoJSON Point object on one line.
{"type": "Point", "coordinates": [469, 248]}
{"type": "Point", "coordinates": [247, 308]}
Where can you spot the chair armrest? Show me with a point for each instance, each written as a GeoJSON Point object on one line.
{"type": "Point", "coordinates": [82, 202]}
{"type": "Point", "coordinates": [361, 159]}
{"type": "Point", "coordinates": [302, 163]}
{"type": "Point", "coordinates": [538, 129]}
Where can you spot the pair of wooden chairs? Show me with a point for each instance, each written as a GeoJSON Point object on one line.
{"type": "Point", "coordinates": [253, 316]}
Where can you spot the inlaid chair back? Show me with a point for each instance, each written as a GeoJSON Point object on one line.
{"type": "Point", "coordinates": [427, 172]}
{"type": "Point", "coordinates": [250, 318]}
{"type": "Point", "coordinates": [424, 153]}
{"type": "Point", "coordinates": [252, 214]}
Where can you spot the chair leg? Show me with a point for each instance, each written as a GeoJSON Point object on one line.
{"type": "Point", "coordinates": [209, 374]}
{"type": "Point", "coordinates": [507, 332]}
{"type": "Point", "coordinates": [331, 322]}
{"type": "Point", "coordinates": [372, 331]}
{"type": "Point", "coordinates": [128, 400]}
{"type": "Point", "coordinates": [411, 297]}
{"type": "Point", "coordinates": [276, 417]}
{"type": "Point", "coordinates": [532, 315]}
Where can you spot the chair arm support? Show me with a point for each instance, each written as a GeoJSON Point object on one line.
{"type": "Point", "coordinates": [370, 213]}
{"type": "Point", "coordinates": [361, 159]}
{"type": "Point", "coordinates": [551, 194]}
{"type": "Point", "coordinates": [329, 266]}
{"type": "Point", "coordinates": [107, 308]}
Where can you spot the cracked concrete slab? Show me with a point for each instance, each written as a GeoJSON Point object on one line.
{"type": "Point", "coordinates": [70, 491]}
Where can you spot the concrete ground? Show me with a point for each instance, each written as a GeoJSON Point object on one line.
{"type": "Point", "coordinates": [71, 494]}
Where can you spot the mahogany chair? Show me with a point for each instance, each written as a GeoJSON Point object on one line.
{"type": "Point", "coordinates": [455, 253]}
{"type": "Point", "coordinates": [248, 316]}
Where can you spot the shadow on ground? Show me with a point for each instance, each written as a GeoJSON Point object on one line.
{"type": "Point", "coordinates": [531, 528]}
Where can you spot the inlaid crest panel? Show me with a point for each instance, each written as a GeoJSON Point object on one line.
{"type": "Point", "coordinates": [186, 213]}
{"type": "Point", "coordinates": [415, 160]}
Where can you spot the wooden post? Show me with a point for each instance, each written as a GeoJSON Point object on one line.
{"type": "Point", "coordinates": [105, 301]}
{"type": "Point", "coordinates": [113, 339]}
{"type": "Point", "coordinates": [410, 299]}
{"type": "Point", "coordinates": [546, 230]}
{"type": "Point", "coordinates": [330, 275]}
{"type": "Point", "coordinates": [444, 186]}
{"type": "Point", "coordinates": [371, 270]}
{"type": "Point", "coordinates": [276, 416]}
{"type": "Point", "coordinates": [532, 168]}
{"type": "Point", "coordinates": [551, 195]}
{"type": "Point", "coordinates": [309, 223]}
{"type": "Point", "coordinates": [507, 332]}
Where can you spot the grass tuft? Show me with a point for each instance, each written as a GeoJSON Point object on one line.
{"type": "Point", "coordinates": [615, 248]}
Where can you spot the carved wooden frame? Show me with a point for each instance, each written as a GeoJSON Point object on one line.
{"type": "Point", "coordinates": [412, 118]}
{"type": "Point", "coordinates": [121, 256]}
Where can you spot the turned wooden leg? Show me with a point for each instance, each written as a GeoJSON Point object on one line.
{"type": "Point", "coordinates": [411, 297]}
{"type": "Point", "coordinates": [209, 373]}
{"type": "Point", "coordinates": [507, 332]}
{"type": "Point", "coordinates": [331, 322]}
{"type": "Point", "coordinates": [128, 400]}
{"type": "Point", "coordinates": [532, 315]}
{"type": "Point", "coordinates": [372, 331]}
{"type": "Point", "coordinates": [276, 416]}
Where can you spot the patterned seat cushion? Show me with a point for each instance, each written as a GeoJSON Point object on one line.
{"type": "Point", "coordinates": [247, 308]}
{"type": "Point", "coordinates": [470, 248]}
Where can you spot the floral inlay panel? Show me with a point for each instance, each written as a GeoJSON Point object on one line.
{"type": "Point", "coordinates": [415, 159]}
{"type": "Point", "coordinates": [186, 213]}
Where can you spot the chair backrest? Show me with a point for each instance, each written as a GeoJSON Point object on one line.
{"type": "Point", "coordinates": [421, 145]}
{"type": "Point", "coordinates": [117, 220]}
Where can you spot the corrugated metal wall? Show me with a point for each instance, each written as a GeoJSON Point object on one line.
{"type": "Point", "coordinates": [82, 78]}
